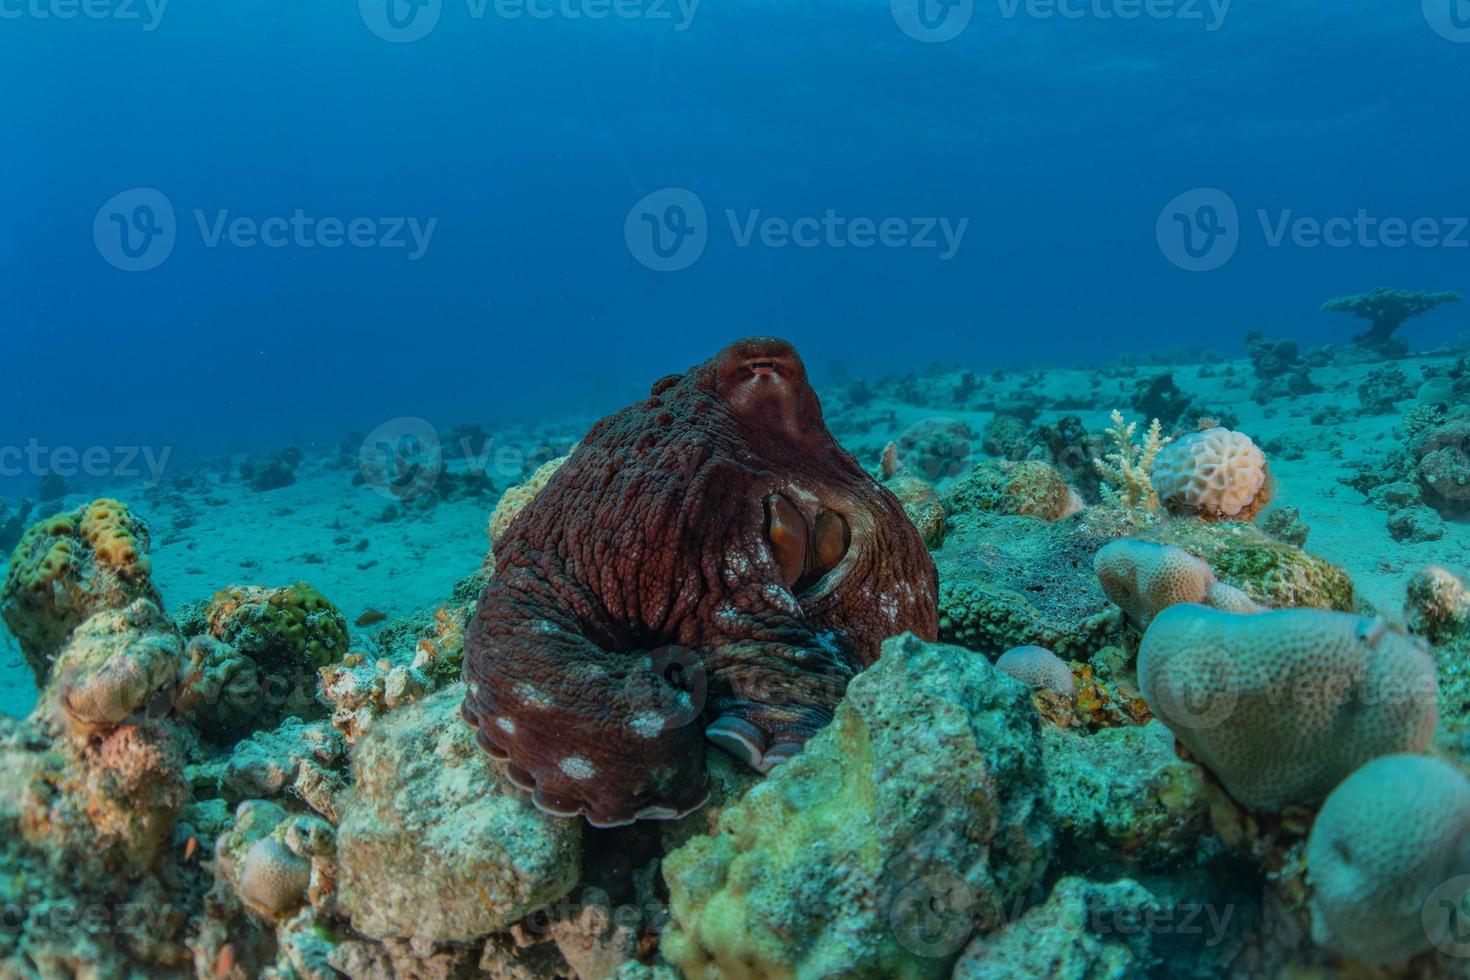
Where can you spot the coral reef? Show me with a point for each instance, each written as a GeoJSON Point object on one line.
{"type": "Point", "coordinates": [1281, 706]}
{"type": "Point", "coordinates": [1084, 930]}
{"type": "Point", "coordinates": [68, 567]}
{"type": "Point", "coordinates": [910, 823]}
{"type": "Point", "coordinates": [919, 499]}
{"type": "Point", "coordinates": [1123, 797]}
{"type": "Point", "coordinates": [1272, 573]}
{"type": "Point", "coordinates": [114, 664]}
{"type": "Point", "coordinates": [1014, 581]}
{"type": "Point", "coordinates": [1144, 578]}
{"type": "Point", "coordinates": [1389, 861]}
{"type": "Point", "coordinates": [936, 448]}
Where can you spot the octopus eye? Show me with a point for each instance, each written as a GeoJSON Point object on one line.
{"type": "Point", "coordinates": [762, 367]}
{"type": "Point", "coordinates": [832, 540]}
{"type": "Point", "coordinates": [787, 531]}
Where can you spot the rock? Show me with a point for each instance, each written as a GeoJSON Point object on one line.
{"type": "Point", "coordinates": [1123, 796]}
{"type": "Point", "coordinates": [1008, 582]}
{"type": "Point", "coordinates": [1084, 931]}
{"type": "Point", "coordinates": [925, 791]}
{"type": "Point", "coordinates": [432, 846]}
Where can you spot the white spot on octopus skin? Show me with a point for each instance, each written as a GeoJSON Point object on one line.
{"type": "Point", "coordinates": [506, 725]}
{"type": "Point", "coordinates": [647, 724]}
{"type": "Point", "coordinates": [530, 695]}
{"type": "Point", "coordinates": [578, 768]}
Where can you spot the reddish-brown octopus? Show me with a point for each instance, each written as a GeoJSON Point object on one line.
{"type": "Point", "coordinates": [708, 563]}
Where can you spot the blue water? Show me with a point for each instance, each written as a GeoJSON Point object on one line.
{"type": "Point", "coordinates": [527, 141]}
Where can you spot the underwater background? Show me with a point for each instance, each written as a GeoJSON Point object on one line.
{"type": "Point", "coordinates": [1140, 319]}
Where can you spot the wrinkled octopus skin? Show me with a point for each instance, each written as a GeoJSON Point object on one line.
{"type": "Point", "coordinates": [708, 563]}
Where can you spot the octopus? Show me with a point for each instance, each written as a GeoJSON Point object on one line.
{"type": "Point", "coordinates": [708, 567]}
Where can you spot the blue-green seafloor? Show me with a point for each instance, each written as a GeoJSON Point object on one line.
{"type": "Point", "coordinates": [1071, 817]}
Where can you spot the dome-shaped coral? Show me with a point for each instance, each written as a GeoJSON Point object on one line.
{"type": "Point", "coordinates": [114, 664]}
{"type": "Point", "coordinates": [1029, 488]}
{"type": "Point", "coordinates": [1281, 706]}
{"type": "Point", "coordinates": [294, 626]}
{"type": "Point", "coordinates": [1217, 474]}
{"type": "Point", "coordinates": [1144, 578]}
{"type": "Point", "coordinates": [1389, 860]}
{"type": "Point", "coordinates": [1039, 669]}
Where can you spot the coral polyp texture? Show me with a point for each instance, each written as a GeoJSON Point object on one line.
{"type": "Point", "coordinates": [1215, 474]}
{"type": "Point", "coordinates": [1144, 578]}
{"type": "Point", "coordinates": [1388, 861]}
{"type": "Point", "coordinates": [719, 516]}
{"type": "Point", "coordinates": [1281, 706]}
{"type": "Point", "coordinates": [1029, 488]}
{"type": "Point", "coordinates": [1039, 669]}
{"type": "Point", "coordinates": [69, 566]}
{"type": "Point", "coordinates": [291, 627]}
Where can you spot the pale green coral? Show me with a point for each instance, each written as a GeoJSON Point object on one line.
{"type": "Point", "coordinates": [1271, 572]}
{"type": "Point", "coordinates": [1029, 488]}
{"type": "Point", "coordinates": [921, 800]}
{"type": "Point", "coordinates": [279, 628]}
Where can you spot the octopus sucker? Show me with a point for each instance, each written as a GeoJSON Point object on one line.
{"type": "Point", "coordinates": [718, 514]}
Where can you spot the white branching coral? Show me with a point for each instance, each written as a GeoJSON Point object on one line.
{"type": "Point", "coordinates": [1126, 470]}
